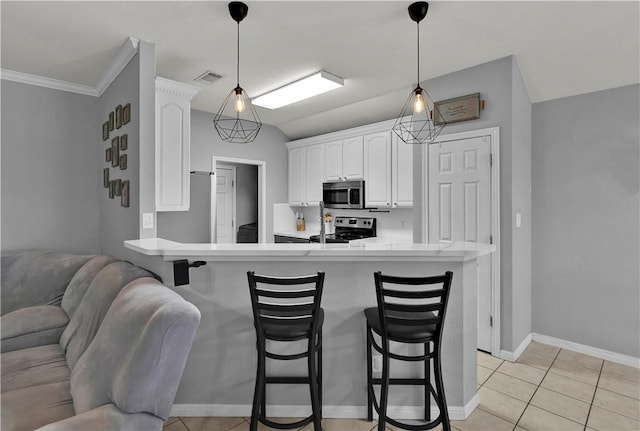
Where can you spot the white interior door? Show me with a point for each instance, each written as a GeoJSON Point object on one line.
{"type": "Point", "coordinates": [460, 209]}
{"type": "Point", "coordinates": [225, 204]}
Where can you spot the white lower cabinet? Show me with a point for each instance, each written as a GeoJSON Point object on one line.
{"type": "Point", "coordinates": [306, 175]}
{"type": "Point", "coordinates": [401, 173]}
{"type": "Point", "coordinates": [377, 170]}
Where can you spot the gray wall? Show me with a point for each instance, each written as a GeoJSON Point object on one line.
{"type": "Point", "coordinates": [506, 106]}
{"type": "Point", "coordinates": [50, 177]}
{"type": "Point", "coordinates": [585, 249]}
{"type": "Point", "coordinates": [120, 223]}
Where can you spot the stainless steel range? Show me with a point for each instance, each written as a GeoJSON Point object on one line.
{"type": "Point", "coordinates": [349, 229]}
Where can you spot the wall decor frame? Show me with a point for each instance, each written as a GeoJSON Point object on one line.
{"type": "Point", "coordinates": [107, 155]}
{"type": "Point", "coordinates": [124, 142]}
{"type": "Point", "coordinates": [458, 109]}
{"type": "Point", "coordinates": [126, 113]}
{"type": "Point", "coordinates": [105, 131]}
{"type": "Point", "coordinates": [112, 120]}
{"type": "Point", "coordinates": [123, 162]}
{"type": "Point", "coordinates": [115, 153]}
{"type": "Point", "coordinates": [117, 187]}
{"type": "Point", "coordinates": [111, 189]}
{"type": "Point", "coordinates": [124, 199]}
{"type": "Point", "coordinates": [105, 177]}
{"type": "Point", "coordinates": [118, 116]}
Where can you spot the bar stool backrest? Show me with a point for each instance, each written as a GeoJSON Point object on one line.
{"type": "Point", "coordinates": [408, 303]}
{"type": "Point", "coordinates": [285, 306]}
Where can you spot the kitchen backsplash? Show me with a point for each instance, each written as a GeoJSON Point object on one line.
{"type": "Point", "coordinates": [396, 224]}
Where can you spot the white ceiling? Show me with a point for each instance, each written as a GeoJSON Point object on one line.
{"type": "Point", "coordinates": [562, 48]}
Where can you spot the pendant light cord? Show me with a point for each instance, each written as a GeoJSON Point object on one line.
{"type": "Point", "coordinates": [418, 25]}
{"type": "Point", "coordinates": [238, 56]}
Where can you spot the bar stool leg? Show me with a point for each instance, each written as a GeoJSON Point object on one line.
{"type": "Point", "coordinates": [369, 376]}
{"type": "Point", "coordinates": [427, 382]}
{"type": "Point", "coordinates": [313, 386]}
{"type": "Point", "coordinates": [384, 391]}
{"type": "Point", "coordinates": [320, 373]}
{"type": "Point", "coordinates": [258, 393]}
{"type": "Point", "coordinates": [442, 401]}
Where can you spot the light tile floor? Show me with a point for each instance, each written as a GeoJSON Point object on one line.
{"type": "Point", "coordinates": [547, 389]}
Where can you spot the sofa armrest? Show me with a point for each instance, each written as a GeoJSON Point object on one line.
{"type": "Point", "coordinates": [32, 326]}
{"type": "Point", "coordinates": [106, 418]}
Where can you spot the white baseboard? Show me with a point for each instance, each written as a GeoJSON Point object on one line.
{"type": "Point", "coordinates": [513, 356]}
{"type": "Point", "coordinates": [456, 413]}
{"type": "Point", "coordinates": [588, 350]}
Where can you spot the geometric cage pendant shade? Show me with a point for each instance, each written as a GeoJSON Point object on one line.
{"type": "Point", "coordinates": [237, 120]}
{"type": "Point", "coordinates": [415, 124]}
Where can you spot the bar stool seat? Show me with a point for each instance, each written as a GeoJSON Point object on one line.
{"type": "Point", "coordinates": [411, 310]}
{"type": "Point", "coordinates": [402, 333]}
{"type": "Point", "coordinates": [285, 314]}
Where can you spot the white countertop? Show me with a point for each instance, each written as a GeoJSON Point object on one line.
{"type": "Point", "coordinates": [364, 250]}
{"type": "Point", "coordinates": [304, 234]}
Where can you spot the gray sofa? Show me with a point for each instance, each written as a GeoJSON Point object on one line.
{"type": "Point", "coordinates": [89, 343]}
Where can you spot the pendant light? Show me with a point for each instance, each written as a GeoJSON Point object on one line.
{"type": "Point", "coordinates": [415, 123]}
{"type": "Point", "coordinates": [237, 120]}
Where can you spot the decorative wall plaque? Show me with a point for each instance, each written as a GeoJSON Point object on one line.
{"type": "Point", "coordinates": [457, 109]}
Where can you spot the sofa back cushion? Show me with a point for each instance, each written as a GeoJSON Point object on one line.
{"type": "Point", "coordinates": [88, 315]}
{"type": "Point", "coordinates": [36, 277]}
{"type": "Point", "coordinates": [80, 282]}
{"type": "Point", "coordinates": [140, 351]}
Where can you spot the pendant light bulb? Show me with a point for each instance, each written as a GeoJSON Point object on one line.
{"type": "Point", "coordinates": [418, 104]}
{"type": "Point", "coordinates": [239, 105]}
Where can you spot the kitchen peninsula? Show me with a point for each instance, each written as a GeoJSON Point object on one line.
{"type": "Point", "coordinates": [226, 338]}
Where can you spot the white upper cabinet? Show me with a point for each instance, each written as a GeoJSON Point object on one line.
{"type": "Point", "coordinates": [173, 142]}
{"type": "Point", "coordinates": [401, 173]}
{"type": "Point", "coordinates": [306, 175]}
{"type": "Point", "coordinates": [352, 158]}
{"type": "Point", "coordinates": [344, 159]}
{"type": "Point", "coordinates": [377, 170]}
{"type": "Point", "coordinates": [333, 161]}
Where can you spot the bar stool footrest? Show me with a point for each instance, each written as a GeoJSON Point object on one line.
{"type": "Point", "coordinates": [286, 426]}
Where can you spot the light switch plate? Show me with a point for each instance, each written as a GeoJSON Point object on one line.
{"type": "Point", "coordinates": [147, 220]}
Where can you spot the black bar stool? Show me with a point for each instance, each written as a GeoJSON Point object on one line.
{"type": "Point", "coordinates": [415, 315]}
{"type": "Point", "coordinates": [287, 315]}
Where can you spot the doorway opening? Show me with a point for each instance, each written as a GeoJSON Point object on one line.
{"type": "Point", "coordinates": [463, 204]}
{"type": "Point", "coordinates": [238, 200]}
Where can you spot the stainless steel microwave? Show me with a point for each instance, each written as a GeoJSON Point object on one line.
{"type": "Point", "coordinates": [343, 194]}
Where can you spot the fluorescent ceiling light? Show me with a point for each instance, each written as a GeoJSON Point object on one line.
{"type": "Point", "coordinates": [304, 88]}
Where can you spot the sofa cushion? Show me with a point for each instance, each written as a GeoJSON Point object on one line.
{"type": "Point", "coordinates": [140, 349]}
{"type": "Point", "coordinates": [29, 408]}
{"type": "Point", "coordinates": [32, 367]}
{"type": "Point", "coordinates": [81, 280]}
{"type": "Point", "coordinates": [87, 318]}
{"type": "Point", "coordinates": [36, 277]}
{"type": "Point", "coordinates": [32, 326]}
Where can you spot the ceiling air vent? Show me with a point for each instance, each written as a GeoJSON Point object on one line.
{"type": "Point", "coordinates": [208, 77]}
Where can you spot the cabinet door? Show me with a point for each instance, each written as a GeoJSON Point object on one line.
{"type": "Point", "coordinates": [297, 177]}
{"type": "Point", "coordinates": [333, 161]}
{"type": "Point", "coordinates": [352, 158]}
{"type": "Point", "coordinates": [377, 170]}
{"type": "Point", "coordinates": [315, 173]}
{"type": "Point", "coordinates": [402, 174]}
{"type": "Point", "coordinates": [173, 142]}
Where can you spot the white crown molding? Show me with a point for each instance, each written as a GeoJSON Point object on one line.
{"type": "Point", "coordinates": [54, 84]}
{"type": "Point", "coordinates": [456, 413]}
{"type": "Point", "coordinates": [176, 88]}
{"type": "Point", "coordinates": [124, 55]}
{"type": "Point", "coordinates": [126, 52]}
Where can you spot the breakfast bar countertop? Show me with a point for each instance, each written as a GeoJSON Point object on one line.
{"type": "Point", "coordinates": [364, 250]}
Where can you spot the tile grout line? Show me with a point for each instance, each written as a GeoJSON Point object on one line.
{"type": "Point", "coordinates": [537, 387]}
{"type": "Point", "coordinates": [594, 396]}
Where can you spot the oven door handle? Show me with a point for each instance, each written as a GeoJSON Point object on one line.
{"type": "Point", "coordinates": [348, 196]}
